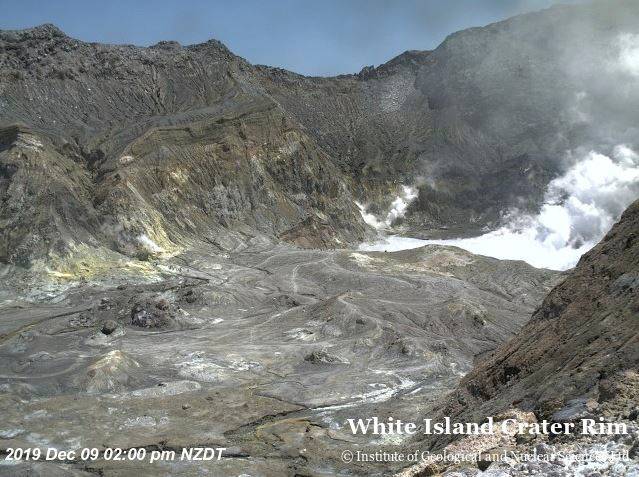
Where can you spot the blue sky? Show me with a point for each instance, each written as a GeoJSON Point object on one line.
{"type": "Point", "coordinates": [320, 37]}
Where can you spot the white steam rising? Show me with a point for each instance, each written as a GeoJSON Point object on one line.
{"type": "Point", "coordinates": [629, 53]}
{"type": "Point", "coordinates": [370, 219]}
{"type": "Point", "coordinates": [580, 207]}
{"type": "Point", "coordinates": [401, 203]}
{"type": "Point", "coordinates": [397, 210]}
{"type": "Point", "coordinates": [149, 244]}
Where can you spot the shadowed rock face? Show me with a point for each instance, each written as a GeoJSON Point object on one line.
{"type": "Point", "coordinates": [225, 145]}
{"type": "Point", "coordinates": [584, 333]}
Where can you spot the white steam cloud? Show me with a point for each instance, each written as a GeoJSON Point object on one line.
{"type": "Point", "coordinates": [149, 244]}
{"type": "Point", "coordinates": [629, 53]}
{"type": "Point", "coordinates": [580, 207]}
{"type": "Point", "coordinates": [401, 203]}
{"type": "Point", "coordinates": [397, 210]}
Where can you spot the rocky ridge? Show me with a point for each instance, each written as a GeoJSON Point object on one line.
{"type": "Point", "coordinates": [471, 124]}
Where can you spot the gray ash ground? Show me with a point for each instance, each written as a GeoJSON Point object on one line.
{"type": "Point", "coordinates": [266, 351]}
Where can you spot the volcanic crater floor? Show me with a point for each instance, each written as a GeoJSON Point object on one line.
{"type": "Point", "coordinates": [265, 351]}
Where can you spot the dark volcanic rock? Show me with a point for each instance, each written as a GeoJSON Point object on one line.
{"type": "Point", "coordinates": [581, 341]}
{"type": "Point", "coordinates": [575, 409]}
{"type": "Point", "coordinates": [323, 357]}
{"type": "Point", "coordinates": [109, 327]}
{"type": "Point", "coordinates": [149, 315]}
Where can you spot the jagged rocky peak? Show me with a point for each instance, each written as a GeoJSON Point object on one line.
{"type": "Point", "coordinates": [44, 32]}
{"type": "Point", "coordinates": [411, 59]}
{"type": "Point", "coordinates": [167, 45]}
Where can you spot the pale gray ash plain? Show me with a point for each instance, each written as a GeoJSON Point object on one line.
{"type": "Point", "coordinates": [179, 261]}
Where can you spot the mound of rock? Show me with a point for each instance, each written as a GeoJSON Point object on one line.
{"type": "Point", "coordinates": [324, 357]}
{"type": "Point", "coordinates": [152, 314]}
{"type": "Point", "coordinates": [112, 372]}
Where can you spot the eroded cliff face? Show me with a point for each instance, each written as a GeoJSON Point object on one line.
{"type": "Point", "coordinates": [142, 150]}
{"type": "Point", "coordinates": [173, 187]}
{"type": "Point", "coordinates": [150, 150]}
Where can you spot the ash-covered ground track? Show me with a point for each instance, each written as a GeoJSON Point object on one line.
{"type": "Point", "coordinates": [266, 351]}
